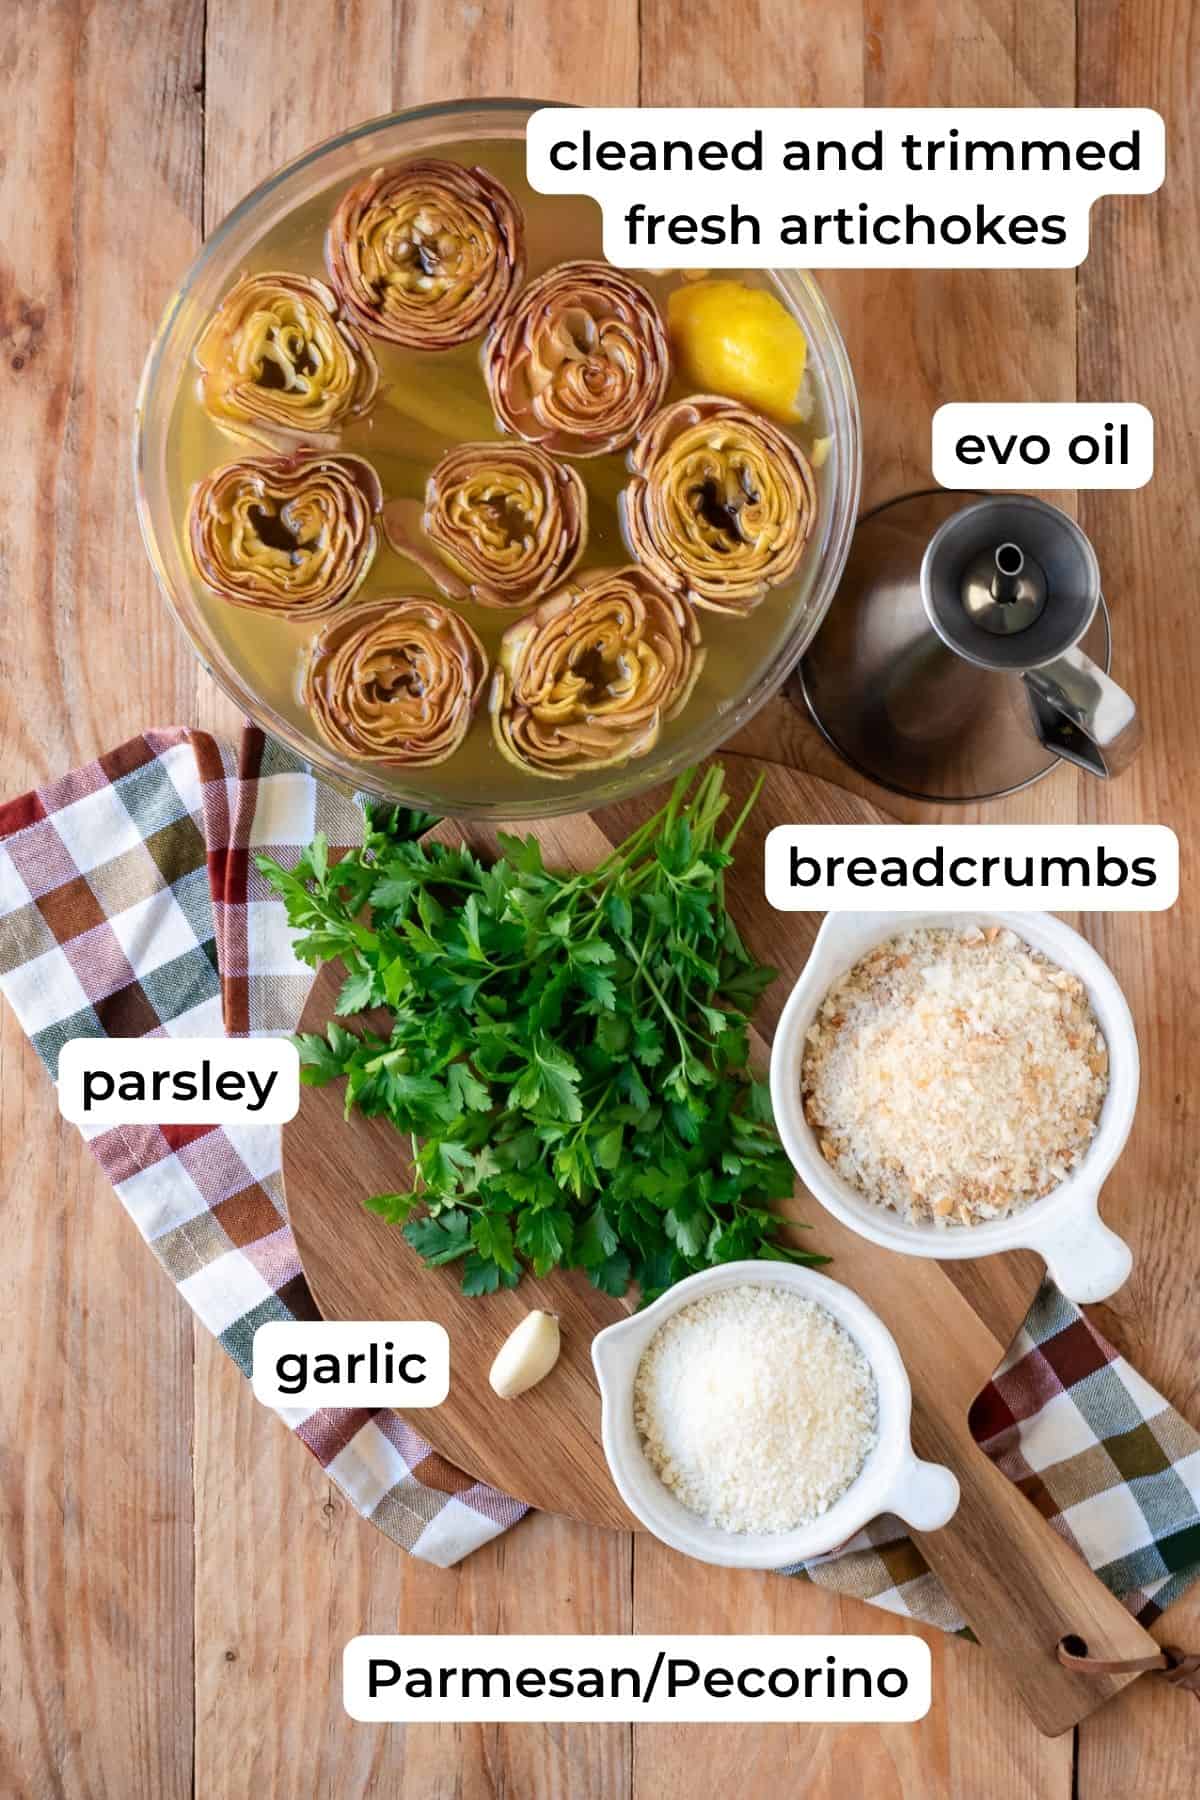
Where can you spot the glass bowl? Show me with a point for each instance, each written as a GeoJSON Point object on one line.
{"type": "Point", "coordinates": [230, 250]}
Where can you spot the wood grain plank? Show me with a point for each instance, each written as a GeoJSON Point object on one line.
{"type": "Point", "coordinates": [1013, 336]}
{"type": "Point", "coordinates": [1013, 331]}
{"type": "Point", "coordinates": [102, 124]}
{"type": "Point", "coordinates": [102, 1698]}
{"type": "Point", "coordinates": [308, 1574]}
{"type": "Point", "coordinates": [323, 67]}
{"type": "Point", "coordinates": [76, 316]}
{"type": "Point", "coordinates": [1139, 328]}
{"type": "Point", "coordinates": [95, 1495]}
{"type": "Point", "coordinates": [976, 1740]}
{"type": "Point", "coordinates": [279, 78]}
{"type": "Point", "coordinates": [584, 53]}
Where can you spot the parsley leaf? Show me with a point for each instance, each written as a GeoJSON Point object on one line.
{"type": "Point", "coordinates": [440, 1240]}
{"type": "Point", "coordinates": [355, 994]}
{"type": "Point", "coordinates": [551, 1079]}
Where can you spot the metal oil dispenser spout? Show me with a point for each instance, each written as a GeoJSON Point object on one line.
{"type": "Point", "coordinates": [1003, 590]}
{"type": "Point", "coordinates": [967, 650]}
{"type": "Point", "coordinates": [1012, 584]}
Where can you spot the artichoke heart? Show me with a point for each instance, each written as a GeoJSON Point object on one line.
{"type": "Point", "coordinates": [580, 360]}
{"type": "Point", "coordinates": [289, 535]}
{"type": "Point", "coordinates": [720, 505]}
{"type": "Point", "coordinates": [508, 523]}
{"type": "Point", "coordinates": [396, 681]}
{"type": "Point", "coordinates": [590, 677]}
{"type": "Point", "coordinates": [426, 254]}
{"type": "Point", "coordinates": [280, 365]}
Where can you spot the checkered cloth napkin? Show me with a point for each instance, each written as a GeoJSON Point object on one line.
{"type": "Point", "coordinates": [130, 906]}
{"type": "Point", "coordinates": [1114, 1468]}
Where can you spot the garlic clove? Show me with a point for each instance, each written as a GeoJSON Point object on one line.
{"type": "Point", "coordinates": [527, 1354]}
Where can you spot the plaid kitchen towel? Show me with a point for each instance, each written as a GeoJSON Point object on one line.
{"type": "Point", "coordinates": [130, 906]}
{"type": "Point", "coordinates": [1114, 1468]}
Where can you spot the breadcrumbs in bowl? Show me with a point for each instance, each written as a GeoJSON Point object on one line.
{"type": "Point", "coordinates": [954, 1075]}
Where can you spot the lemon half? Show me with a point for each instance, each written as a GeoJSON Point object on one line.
{"type": "Point", "coordinates": [741, 342]}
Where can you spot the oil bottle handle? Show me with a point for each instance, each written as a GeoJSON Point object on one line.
{"type": "Point", "coordinates": [1080, 713]}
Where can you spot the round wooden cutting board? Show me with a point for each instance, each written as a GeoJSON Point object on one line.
{"type": "Point", "coordinates": [1019, 1585]}
{"type": "Point", "coordinates": [545, 1446]}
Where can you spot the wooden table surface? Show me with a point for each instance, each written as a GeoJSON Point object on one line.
{"type": "Point", "coordinates": [178, 1577]}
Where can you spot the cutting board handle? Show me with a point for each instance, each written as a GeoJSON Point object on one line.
{"type": "Point", "coordinates": [1022, 1588]}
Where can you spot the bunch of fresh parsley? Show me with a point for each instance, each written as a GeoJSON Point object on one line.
{"type": "Point", "coordinates": [567, 1052]}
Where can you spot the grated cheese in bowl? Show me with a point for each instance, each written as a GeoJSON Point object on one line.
{"type": "Point", "coordinates": [954, 1075]}
{"type": "Point", "coordinates": [755, 1408]}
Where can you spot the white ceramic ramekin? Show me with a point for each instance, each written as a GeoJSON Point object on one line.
{"type": "Point", "coordinates": [892, 1479]}
{"type": "Point", "coordinates": [1086, 1260]}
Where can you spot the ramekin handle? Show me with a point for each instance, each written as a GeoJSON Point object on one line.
{"type": "Point", "coordinates": [925, 1494]}
{"type": "Point", "coordinates": [1084, 1259]}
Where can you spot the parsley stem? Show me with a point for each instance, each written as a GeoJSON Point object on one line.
{"type": "Point", "coordinates": [665, 1004]}
{"type": "Point", "coordinates": [731, 836]}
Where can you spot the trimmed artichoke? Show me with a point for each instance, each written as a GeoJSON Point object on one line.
{"type": "Point", "coordinates": [289, 535]}
{"type": "Point", "coordinates": [721, 503]}
{"type": "Point", "coordinates": [395, 681]}
{"type": "Point", "coordinates": [426, 254]}
{"type": "Point", "coordinates": [580, 360]}
{"type": "Point", "coordinates": [509, 521]}
{"type": "Point", "coordinates": [279, 365]}
{"type": "Point", "coordinates": [590, 677]}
